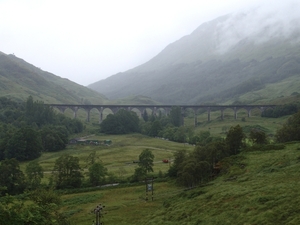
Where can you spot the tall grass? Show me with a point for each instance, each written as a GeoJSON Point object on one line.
{"type": "Point", "coordinates": [265, 191]}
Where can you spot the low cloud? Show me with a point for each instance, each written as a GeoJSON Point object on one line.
{"type": "Point", "coordinates": [259, 24]}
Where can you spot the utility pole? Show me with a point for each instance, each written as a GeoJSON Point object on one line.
{"type": "Point", "coordinates": [149, 186]}
{"type": "Point", "coordinates": [97, 212]}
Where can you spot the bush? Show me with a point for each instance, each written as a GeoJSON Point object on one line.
{"type": "Point", "coordinates": [264, 147]}
{"type": "Point", "coordinates": [123, 122]}
{"type": "Point", "coordinates": [280, 111]}
{"type": "Point", "coordinates": [291, 130]}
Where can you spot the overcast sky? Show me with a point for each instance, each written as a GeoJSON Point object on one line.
{"type": "Point", "coordinates": [87, 41]}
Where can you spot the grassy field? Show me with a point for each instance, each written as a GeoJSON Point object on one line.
{"type": "Point", "coordinates": [119, 156]}
{"type": "Point", "coordinates": [260, 188]}
{"type": "Point", "coordinates": [126, 148]}
{"type": "Point", "coordinates": [265, 190]}
{"type": "Point", "coordinates": [118, 159]}
{"type": "Point", "coordinates": [123, 205]}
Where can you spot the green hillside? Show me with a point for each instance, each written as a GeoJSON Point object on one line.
{"type": "Point", "coordinates": [283, 92]}
{"type": "Point", "coordinates": [19, 79]}
{"type": "Point", "coordinates": [135, 100]}
{"type": "Point", "coordinates": [259, 188]}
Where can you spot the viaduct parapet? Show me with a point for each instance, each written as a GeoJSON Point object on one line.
{"type": "Point", "coordinates": [165, 108]}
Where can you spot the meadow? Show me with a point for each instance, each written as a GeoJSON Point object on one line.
{"type": "Point", "coordinates": [261, 187]}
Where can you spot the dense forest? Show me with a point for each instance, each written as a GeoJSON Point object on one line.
{"type": "Point", "coordinates": [28, 129]}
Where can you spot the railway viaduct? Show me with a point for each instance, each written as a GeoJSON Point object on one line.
{"type": "Point", "coordinates": [166, 109]}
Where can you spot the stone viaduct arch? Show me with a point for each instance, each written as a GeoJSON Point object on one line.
{"type": "Point", "coordinates": [156, 108]}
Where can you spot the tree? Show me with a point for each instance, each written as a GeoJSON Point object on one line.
{"type": "Point", "coordinates": [34, 174]}
{"type": "Point", "coordinates": [180, 135]}
{"type": "Point", "coordinates": [145, 116]}
{"type": "Point", "coordinates": [97, 173]}
{"type": "Point", "coordinates": [169, 132]}
{"type": "Point", "coordinates": [280, 111]}
{"type": "Point", "coordinates": [139, 174]}
{"type": "Point", "coordinates": [43, 209]}
{"type": "Point", "coordinates": [179, 157]}
{"type": "Point", "coordinates": [146, 160]}
{"type": "Point", "coordinates": [235, 139]}
{"type": "Point", "coordinates": [29, 107]}
{"type": "Point", "coordinates": [7, 131]}
{"type": "Point", "coordinates": [186, 174]}
{"type": "Point", "coordinates": [71, 125]}
{"type": "Point", "coordinates": [152, 117]}
{"type": "Point", "coordinates": [67, 172]}
{"type": "Point", "coordinates": [175, 116]}
{"type": "Point", "coordinates": [291, 130]}
{"type": "Point", "coordinates": [193, 172]}
{"type": "Point", "coordinates": [53, 138]}
{"type": "Point", "coordinates": [204, 138]}
{"type": "Point", "coordinates": [91, 159]}
{"type": "Point", "coordinates": [122, 122]}
{"type": "Point", "coordinates": [25, 144]}
{"type": "Point", "coordinates": [258, 136]}
{"type": "Point", "coordinates": [11, 177]}
{"type": "Point", "coordinates": [155, 128]}
{"type": "Point", "coordinates": [38, 113]}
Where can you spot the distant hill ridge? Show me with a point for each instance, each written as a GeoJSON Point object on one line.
{"type": "Point", "coordinates": [19, 79]}
{"type": "Point", "coordinates": [219, 62]}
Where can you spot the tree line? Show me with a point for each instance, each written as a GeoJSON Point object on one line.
{"type": "Point", "coordinates": [30, 128]}
{"type": "Point", "coordinates": [279, 111]}
{"type": "Point", "coordinates": [168, 126]}
{"type": "Point", "coordinates": [66, 173]}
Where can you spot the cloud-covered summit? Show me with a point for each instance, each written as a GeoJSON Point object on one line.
{"type": "Point", "coordinates": [259, 24]}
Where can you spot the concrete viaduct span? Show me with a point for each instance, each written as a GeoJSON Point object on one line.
{"type": "Point", "coordinates": [156, 108]}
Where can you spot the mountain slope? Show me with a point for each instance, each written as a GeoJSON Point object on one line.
{"type": "Point", "coordinates": [19, 79]}
{"type": "Point", "coordinates": [222, 59]}
{"type": "Point", "coordinates": [259, 187]}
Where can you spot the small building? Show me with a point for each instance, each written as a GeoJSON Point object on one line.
{"type": "Point", "coordinates": [89, 142]}
{"type": "Point", "coordinates": [73, 141]}
{"type": "Point", "coordinates": [107, 142]}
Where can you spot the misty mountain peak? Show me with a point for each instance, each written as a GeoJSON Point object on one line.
{"type": "Point", "coordinates": [223, 58]}
{"type": "Point", "coordinates": [258, 25]}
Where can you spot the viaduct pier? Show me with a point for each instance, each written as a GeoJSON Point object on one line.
{"type": "Point", "coordinates": [164, 108]}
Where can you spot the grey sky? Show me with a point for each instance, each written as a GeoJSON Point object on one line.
{"type": "Point", "coordinates": [87, 41]}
